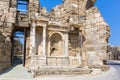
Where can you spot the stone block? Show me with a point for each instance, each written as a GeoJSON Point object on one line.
{"type": "Point", "coordinates": [104, 67]}
{"type": "Point", "coordinates": [96, 71]}
{"type": "Point", "coordinates": [1, 12]}
{"type": "Point", "coordinates": [3, 18]}
{"type": "Point", "coordinates": [51, 62]}
{"type": "Point", "coordinates": [10, 17]}
{"type": "Point", "coordinates": [1, 24]}
{"type": "Point", "coordinates": [13, 10]}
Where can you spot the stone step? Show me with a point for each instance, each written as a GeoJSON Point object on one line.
{"type": "Point", "coordinates": [59, 71]}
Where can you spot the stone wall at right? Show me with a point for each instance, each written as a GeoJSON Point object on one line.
{"type": "Point", "coordinates": [96, 33]}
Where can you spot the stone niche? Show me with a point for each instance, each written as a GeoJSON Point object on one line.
{"type": "Point", "coordinates": [75, 49]}
{"type": "Point", "coordinates": [39, 40]}
{"type": "Point", "coordinates": [56, 44]}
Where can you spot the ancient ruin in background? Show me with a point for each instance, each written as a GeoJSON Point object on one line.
{"type": "Point", "coordinates": [73, 34]}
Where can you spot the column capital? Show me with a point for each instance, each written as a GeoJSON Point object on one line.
{"type": "Point", "coordinates": [33, 24]}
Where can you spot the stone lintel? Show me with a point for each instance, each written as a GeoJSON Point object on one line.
{"type": "Point", "coordinates": [22, 24]}
{"type": "Point", "coordinates": [77, 25]}
{"type": "Point", "coordinates": [41, 24]}
{"type": "Point", "coordinates": [42, 19]}
{"type": "Point", "coordinates": [55, 28]}
{"type": "Point", "coordinates": [58, 25]}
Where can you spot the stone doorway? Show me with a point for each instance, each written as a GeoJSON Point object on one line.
{"type": "Point", "coordinates": [18, 48]}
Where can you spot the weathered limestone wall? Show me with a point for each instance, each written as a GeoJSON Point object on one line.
{"type": "Point", "coordinates": [33, 8]}
{"type": "Point", "coordinates": [5, 53]}
{"type": "Point", "coordinates": [7, 18]}
{"type": "Point", "coordinates": [78, 6]}
{"type": "Point", "coordinates": [96, 33]}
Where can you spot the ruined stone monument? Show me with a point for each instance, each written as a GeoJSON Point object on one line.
{"type": "Point", "coordinates": [73, 34]}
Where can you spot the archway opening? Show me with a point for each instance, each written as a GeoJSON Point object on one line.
{"type": "Point", "coordinates": [18, 49]}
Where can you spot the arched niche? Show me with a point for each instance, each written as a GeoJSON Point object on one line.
{"type": "Point", "coordinates": [56, 45]}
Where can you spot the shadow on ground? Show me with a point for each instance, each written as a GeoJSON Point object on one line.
{"type": "Point", "coordinates": [109, 62]}
{"type": "Point", "coordinates": [17, 61]}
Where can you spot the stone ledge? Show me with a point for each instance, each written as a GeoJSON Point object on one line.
{"type": "Point", "coordinates": [59, 71]}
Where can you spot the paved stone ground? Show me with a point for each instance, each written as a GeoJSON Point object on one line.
{"type": "Point", "coordinates": [18, 72]}
{"type": "Point", "coordinates": [116, 73]}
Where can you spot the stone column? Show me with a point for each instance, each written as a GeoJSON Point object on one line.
{"type": "Point", "coordinates": [83, 49]}
{"type": "Point", "coordinates": [80, 47]}
{"type": "Point", "coordinates": [66, 45]}
{"type": "Point", "coordinates": [33, 44]}
{"type": "Point", "coordinates": [33, 39]}
{"type": "Point", "coordinates": [44, 41]}
{"type": "Point", "coordinates": [81, 40]}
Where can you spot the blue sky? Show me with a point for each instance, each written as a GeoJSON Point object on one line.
{"type": "Point", "coordinates": [110, 10]}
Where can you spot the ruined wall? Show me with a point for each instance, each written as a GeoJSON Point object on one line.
{"type": "Point", "coordinates": [7, 18]}
{"type": "Point", "coordinates": [63, 19]}
{"type": "Point", "coordinates": [78, 6]}
{"type": "Point", "coordinates": [69, 11]}
{"type": "Point", "coordinates": [33, 8]}
{"type": "Point", "coordinates": [5, 53]}
{"type": "Point", "coordinates": [96, 33]}
{"type": "Point", "coordinates": [81, 14]}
